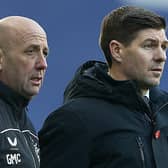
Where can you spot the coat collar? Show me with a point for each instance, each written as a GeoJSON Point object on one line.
{"type": "Point", "coordinates": [11, 97]}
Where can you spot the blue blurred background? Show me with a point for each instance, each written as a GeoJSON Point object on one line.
{"type": "Point", "coordinates": [73, 31]}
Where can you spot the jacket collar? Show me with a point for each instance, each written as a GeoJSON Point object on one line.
{"type": "Point", "coordinates": [11, 97]}
{"type": "Point", "coordinates": [92, 80]}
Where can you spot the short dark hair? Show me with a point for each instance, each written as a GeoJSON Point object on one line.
{"type": "Point", "coordinates": [123, 24]}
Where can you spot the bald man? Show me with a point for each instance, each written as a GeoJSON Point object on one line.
{"type": "Point", "coordinates": [23, 52]}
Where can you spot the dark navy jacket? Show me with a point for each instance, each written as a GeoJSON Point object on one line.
{"type": "Point", "coordinates": [105, 124]}
{"type": "Point", "coordinates": [18, 141]}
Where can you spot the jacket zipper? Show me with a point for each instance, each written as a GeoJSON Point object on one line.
{"type": "Point", "coordinates": [30, 151]}
{"type": "Point", "coordinates": [141, 145]}
{"type": "Point", "coordinates": [18, 126]}
{"type": "Point", "coordinates": [148, 118]}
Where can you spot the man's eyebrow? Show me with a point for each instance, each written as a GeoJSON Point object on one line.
{"type": "Point", "coordinates": [36, 46]}
{"type": "Point", "coordinates": [153, 39]}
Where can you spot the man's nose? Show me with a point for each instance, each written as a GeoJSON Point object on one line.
{"type": "Point", "coordinates": [41, 62]}
{"type": "Point", "coordinates": [161, 55]}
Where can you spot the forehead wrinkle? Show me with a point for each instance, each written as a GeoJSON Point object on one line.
{"type": "Point", "coordinates": [31, 36]}
{"type": "Point", "coordinates": [10, 35]}
{"type": "Point", "coordinates": [17, 31]}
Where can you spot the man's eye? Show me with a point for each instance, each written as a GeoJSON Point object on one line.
{"type": "Point", "coordinates": [30, 51]}
{"type": "Point", "coordinates": [148, 46]}
{"type": "Point", "coordinates": [164, 47]}
{"type": "Point", "coordinates": [45, 54]}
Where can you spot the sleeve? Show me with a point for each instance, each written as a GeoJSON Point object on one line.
{"type": "Point", "coordinates": [64, 141]}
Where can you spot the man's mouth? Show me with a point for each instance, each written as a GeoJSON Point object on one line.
{"type": "Point", "coordinates": [36, 80]}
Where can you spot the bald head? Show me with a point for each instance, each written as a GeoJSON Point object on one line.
{"type": "Point", "coordinates": [18, 21]}
{"type": "Point", "coordinates": [23, 51]}
{"type": "Point", "coordinates": [15, 28]}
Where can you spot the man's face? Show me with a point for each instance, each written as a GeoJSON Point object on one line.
{"type": "Point", "coordinates": [144, 58]}
{"type": "Point", "coordinates": [24, 63]}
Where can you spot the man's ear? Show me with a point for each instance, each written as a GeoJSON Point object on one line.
{"type": "Point", "coordinates": [115, 50]}
{"type": "Point", "coordinates": [1, 58]}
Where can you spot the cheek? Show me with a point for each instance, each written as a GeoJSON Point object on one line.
{"type": "Point", "coordinates": [18, 69]}
{"type": "Point", "coordinates": [140, 61]}
{"type": "Point", "coordinates": [24, 66]}
{"type": "Point", "coordinates": [135, 68]}
{"type": "Point", "coordinates": [21, 72]}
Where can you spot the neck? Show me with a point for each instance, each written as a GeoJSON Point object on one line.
{"type": "Point", "coordinates": [116, 75]}
{"type": "Point", "coordinates": [144, 92]}
{"type": "Point", "coordinates": [119, 77]}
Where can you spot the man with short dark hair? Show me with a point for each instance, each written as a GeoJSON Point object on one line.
{"type": "Point", "coordinates": [105, 121]}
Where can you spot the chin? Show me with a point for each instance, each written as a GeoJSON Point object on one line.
{"type": "Point", "coordinates": [156, 83]}
{"type": "Point", "coordinates": [33, 93]}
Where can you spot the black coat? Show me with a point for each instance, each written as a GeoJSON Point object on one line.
{"type": "Point", "coordinates": [105, 124]}
{"type": "Point", "coordinates": [18, 141]}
